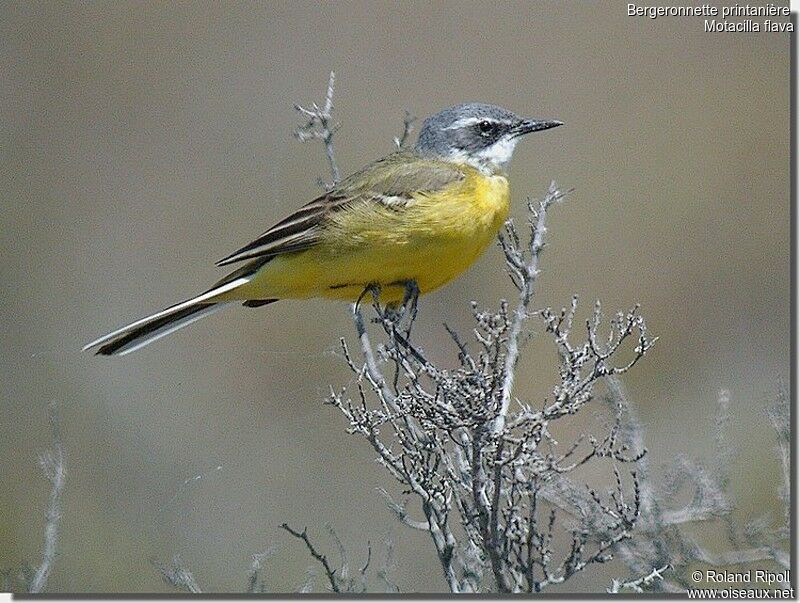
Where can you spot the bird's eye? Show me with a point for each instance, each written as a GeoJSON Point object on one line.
{"type": "Point", "coordinates": [485, 127]}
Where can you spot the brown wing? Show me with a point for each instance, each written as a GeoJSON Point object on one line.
{"type": "Point", "coordinates": [393, 181]}
{"type": "Point", "coordinates": [297, 232]}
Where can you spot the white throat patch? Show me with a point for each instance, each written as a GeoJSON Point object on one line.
{"type": "Point", "coordinates": [500, 152]}
{"type": "Point", "coordinates": [487, 160]}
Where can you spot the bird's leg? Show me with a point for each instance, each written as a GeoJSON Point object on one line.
{"type": "Point", "coordinates": [372, 288]}
{"type": "Point", "coordinates": [401, 315]}
{"type": "Point", "coordinates": [391, 316]}
{"type": "Point", "coordinates": [375, 289]}
{"type": "Point", "coordinates": [403, 320]}
{"type": "Point", "coordinates": [409, 305]}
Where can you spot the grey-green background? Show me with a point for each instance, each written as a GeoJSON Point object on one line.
{"type": "Point", "coordinates": [139, 142]}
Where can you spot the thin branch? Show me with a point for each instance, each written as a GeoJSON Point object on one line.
{"type": "Point", "coordinates": [528, 275]}
{"type": "Point", "coordinates": [53, 465]}
{"type": "Point", "coordinates": [253, 583]}
{"type": "Point", "coordinates": [320, 125]}
{"type": "Point", "coordinates": [401, 513]}
{"type": "Point", "coordinates": [408, 126]}
{"type": "Point", "coordinates": [637, 584]}
{"type": "Point", "coordinates": [323, 560]}
{"type": "Point", "coordinates": [178, 575]}
{"type": "Point", "coordinates": [371, 365]}
{"type": "Point", "coordinates": [779, 415]}
{"type": "Point", "coordinates": [387, 567]}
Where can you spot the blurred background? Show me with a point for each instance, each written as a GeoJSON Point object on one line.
{"type": "Point", "coordinates": [143, 141]}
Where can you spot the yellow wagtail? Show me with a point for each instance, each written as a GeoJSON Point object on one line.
{"type": "Point", "coordinates": [421, 217]}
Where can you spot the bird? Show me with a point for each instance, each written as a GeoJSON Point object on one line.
{"type": "Point", "coordinates": [418, 217]}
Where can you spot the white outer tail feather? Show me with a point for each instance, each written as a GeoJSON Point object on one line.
{"type": "Point", "coordinates": [165, 330]}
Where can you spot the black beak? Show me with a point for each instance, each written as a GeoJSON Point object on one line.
{"type": "Point", "coordinates": [535, 125]}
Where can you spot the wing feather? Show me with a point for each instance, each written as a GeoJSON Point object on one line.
{"type": "Point", "coordinates": [297, 232]}
{"type": "Point", "coordinates": [394, 181]}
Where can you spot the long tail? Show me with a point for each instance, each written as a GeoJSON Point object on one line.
{"type": "Point", "coordinates": [147, 330]}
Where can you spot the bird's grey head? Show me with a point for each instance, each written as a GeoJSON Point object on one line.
{"type": "Point", "coordinates": [481, 135]}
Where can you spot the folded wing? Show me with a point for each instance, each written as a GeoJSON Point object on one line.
{"type": "Point", "coordinates": [394, 181]}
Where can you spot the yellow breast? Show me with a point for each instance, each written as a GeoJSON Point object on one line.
{"type": "Point", "coordinates": [432, 241]}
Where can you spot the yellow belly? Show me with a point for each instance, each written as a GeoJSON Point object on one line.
{"type": "Point", "coordinates": [431, 242]}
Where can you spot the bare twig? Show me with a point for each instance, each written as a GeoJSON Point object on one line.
{"type": "Point", "coordinates": [387, 567]}
{"type": "Point", "coordinates": [527, 273]}
{"type": "Point", "coordinates": [665, 531]}
{"type": "Point", "coordinates": [320, 126]}
{"type": "Point", "coordinates": [323, 560]}
{"type": "Point", "coordinates": [436, 432]}
{"type": "Point", "coordinates": [178, 575]}
{"type": "Point", "coordinates": [637, 584]}
{"type": "Point", "coordinates": [779, 415]}
{"type": "Point", "coordinates": [408, 126]}
{"type": "Point", "coordinates": [53, 466]}
{"type": "Point", "coordinates": [254, 585]}
{"type": "Point", "coordinates": [401, 513]}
